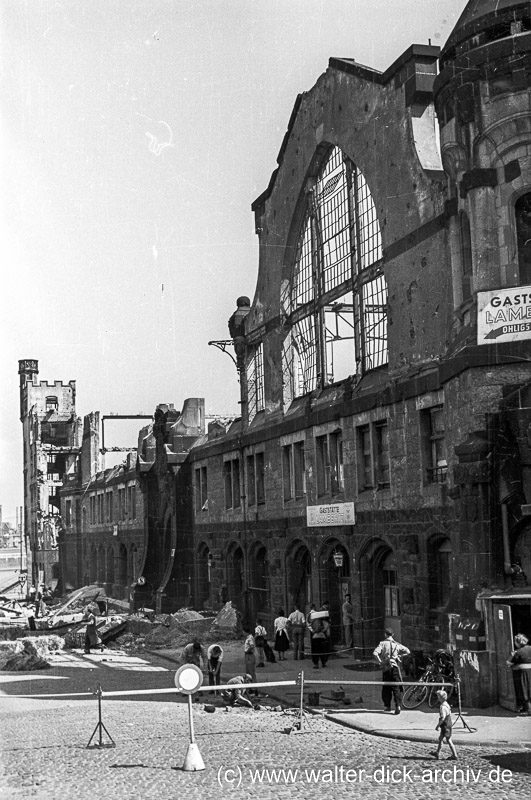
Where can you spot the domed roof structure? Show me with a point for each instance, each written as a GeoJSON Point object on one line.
{"type": "Point", "coordinates": [491, 19]}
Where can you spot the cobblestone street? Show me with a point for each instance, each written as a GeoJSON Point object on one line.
{"type": "Point", "coordinates": [44, 755]}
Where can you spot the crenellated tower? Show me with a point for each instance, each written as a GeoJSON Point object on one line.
{"type": "Point", "coordinates": [51, 441]}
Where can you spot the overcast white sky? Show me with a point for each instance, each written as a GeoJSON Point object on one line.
{"type": "Point", "coordinates": [134, 136]}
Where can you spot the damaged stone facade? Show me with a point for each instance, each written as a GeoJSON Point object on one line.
{"type": "Point", "coordinates": [128, 529]}
{"type": "Point", "coordinates": [366, 399]}
{"type": "Point", "coordinates": [164, 477]}
{"type": "Point", "coordinates": [51, 435]}
{"type": "Point", "coordinates": [102, 540]}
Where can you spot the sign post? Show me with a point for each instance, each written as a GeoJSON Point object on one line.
{"type": "Point", "coordinates": [188, 679]}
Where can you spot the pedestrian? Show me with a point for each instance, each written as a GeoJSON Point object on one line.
{"type": "Point", "coordinates": [238, 697]}
{"type": "Point", "coordinates": [260, 639]}
{"type": "Point", "coordinates": [281, 634]}
{"type": "Point", "coordinates": [214, 659]}
{"type": "Point", "coordinates": [444, 725]}
{"type": "Point", "coordinates": [319, 627]}
{"type": "Point", "coordinates": [297, 629]}
{"type": "Point", "coordinates": [520, 663]}
{"type": "Point", "coordinates": [91, 633]}
{"type": "Point", "coordinates": [194, 653]}
{"type": "Point", "coordinates": [389, 654]}
{"type": "Point", "coordinates": [38, 599]}
{"type": "Point", "coordinates": [347, 618]}
{"type": "Point", "coordinates": [249, 650]}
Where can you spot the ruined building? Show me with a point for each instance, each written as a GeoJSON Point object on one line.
{"type": "Point", "coordinates": [51, 444]}
{"type": "Point", "coordinates": [384, 445]}
{"type": "Point", "coordinates": [128, 528]}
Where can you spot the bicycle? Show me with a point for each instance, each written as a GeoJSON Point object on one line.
{"type": "Point", "coordinates": [439, 670]}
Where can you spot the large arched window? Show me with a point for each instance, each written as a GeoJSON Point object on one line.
{"type": "Point", "coordinates": [523, 232]}
{"type": "Point", "coordinates": [335, 302]}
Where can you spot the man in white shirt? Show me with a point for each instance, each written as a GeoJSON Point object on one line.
{"type": "Point", "coordinates": [297, 629]}
{"type": "Point", "coordinates": [389, 654]}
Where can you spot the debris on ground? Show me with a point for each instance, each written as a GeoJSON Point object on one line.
{"type": "Point", "coordinates": [132, 632]}
{"type": "Point", "coordinates": [30, 653]}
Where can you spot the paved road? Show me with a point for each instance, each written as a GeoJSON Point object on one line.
{"type": "Point", "coordinates": [44, 754]}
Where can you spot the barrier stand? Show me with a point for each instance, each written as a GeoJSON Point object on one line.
{"type": "Point", "coordinates": [303, 716]}
{"type": "Point", "coordinates": [188, 680]}
{"type": "Point", "coordinates": [100, 727]}
{"type": "Point", "coordinates": [459, 714]}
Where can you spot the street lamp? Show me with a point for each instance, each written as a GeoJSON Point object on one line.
{"type": "Point", "coordinates": [338, 559]}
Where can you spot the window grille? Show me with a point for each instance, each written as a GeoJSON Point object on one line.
{"type": "Point", "coordinates": [337, 272]}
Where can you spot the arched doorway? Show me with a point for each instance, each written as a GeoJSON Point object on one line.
{"type": "Point", "coordinates": [235, 578]}
{"type": "Point", "coordinates": [203, 567]}
{"type": "Point", "coordinates": [334, 582]}
{"type": "Point", "coordinates": [299, 576]}
{"type": "Point", "coordinates": [380, 593]}
{"type": "Point", "coordinates": [93, 565]}
{"type": "Point", "coordinates": [122, 572]}
{"type": "Point", "coordinates": [109, 569]}
{"type": "Point", "coordinates": [259, 602]}
{"type": "Point", "coordinates": [101, 565]}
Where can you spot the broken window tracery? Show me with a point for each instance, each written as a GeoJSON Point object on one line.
{"type": "Point", "coordinates": [335, 305]}
{"type": "Point", "coordinates": [255, 382]}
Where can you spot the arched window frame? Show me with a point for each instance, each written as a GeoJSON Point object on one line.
{"type": "Point", "coordinates": [337, 289]}
{"type": "Point", "coordinates": [523, 237]}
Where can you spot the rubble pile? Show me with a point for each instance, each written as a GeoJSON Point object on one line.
{"type": "Point", "coordinates": [171, 631]}
{"type": "Point", "coordinates": [228, 623]}
{"type": "Point", "coordinates": [142, 630]}
{"type": "Point", "coordinates": [29, 653]}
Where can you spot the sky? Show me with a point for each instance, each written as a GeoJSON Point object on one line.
{"type": "Point", "coordinates": [134, 136]}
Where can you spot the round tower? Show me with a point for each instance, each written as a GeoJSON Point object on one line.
{"type": "Point", "coordinates": [483, 103]}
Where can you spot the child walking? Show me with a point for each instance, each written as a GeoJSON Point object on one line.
{"type": "Point", "coordinates": [444, 726]}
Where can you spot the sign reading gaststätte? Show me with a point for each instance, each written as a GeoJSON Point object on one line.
{"type": "Point", "coordinates": [504, 315]}
{"type": "Point", "coordinates": [333, 514]}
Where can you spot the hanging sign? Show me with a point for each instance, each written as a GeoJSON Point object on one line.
{"type": "Point", "coordinates": [504, 315]}
{"type": "Point", "coordinates": [333, 514]}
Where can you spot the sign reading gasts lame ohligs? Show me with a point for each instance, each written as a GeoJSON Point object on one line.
{"type": "Point", "coordinates": [333, 514]}
{"type": "Point", "coordinates": [504, 315]}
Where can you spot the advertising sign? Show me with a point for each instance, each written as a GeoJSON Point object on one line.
{"type": "Point", "coordinates": [504, 315]}
{"type": "Point", "coordinates": [333, 514]}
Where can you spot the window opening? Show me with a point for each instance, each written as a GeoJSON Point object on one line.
{"type": "Point", "coordinates": [255, 382]}
{"type": "Point", "coordinates": [523, 231]}
{"type": "Point", "coordinates": [336, 305]}
{"type": "Point", "coordinates": [434, 444]}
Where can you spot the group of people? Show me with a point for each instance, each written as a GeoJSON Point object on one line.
{"type": "Point", "coordinates": [290, 633]}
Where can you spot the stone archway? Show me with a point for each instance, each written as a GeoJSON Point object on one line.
{"type": "Point", "coordinates": [101, 565]}
{"type": "Point", "coordinates": [202, 576]}
{"type": "Point", "coordinates": [236, 577]}
{"type": "Point", "coordinates": [259, 597]}
{"type": "Point", "coordinates": [93, 565]}
{"type": "Point", "coordinates": [299, 576]}
{"type": "Point", "coordinates": [334, 582]}
{"type": "Point", "coordinates": [121, 569]}
{"type": "Point", "coordinates": [380, 597]}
